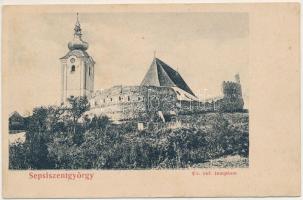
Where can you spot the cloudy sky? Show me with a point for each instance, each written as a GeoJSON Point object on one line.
{"type": "Point", "coordinates": [205, 47]}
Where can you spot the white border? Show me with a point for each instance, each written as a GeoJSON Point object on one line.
{"type": "Point", "coordinates": [23, 2]}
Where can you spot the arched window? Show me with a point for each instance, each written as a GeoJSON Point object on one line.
{"type": "Point", "coordinates": [73, 68]}
{"type": "Point", "coordinates": [128, 98]}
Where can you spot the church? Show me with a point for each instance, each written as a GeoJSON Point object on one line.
{"type": "Point", "coordinates": [162, 93]}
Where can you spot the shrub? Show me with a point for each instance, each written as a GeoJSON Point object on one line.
{"type": "Point", "coordinates": [100, 144]}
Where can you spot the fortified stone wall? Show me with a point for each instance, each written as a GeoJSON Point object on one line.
{"type": "Point", "coordinates": [130, 102]}
{"type": "Point", "coordinates": [145, 102]}
{"type": "Point", "coordinates": [188, 107]}
{"type": "Point", "coordinates": [119, 102]}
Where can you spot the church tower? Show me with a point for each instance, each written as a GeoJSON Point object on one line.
{"type": "Point", "coordinates": [77, 68]}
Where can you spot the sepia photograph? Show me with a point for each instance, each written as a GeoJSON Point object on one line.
{"type": "Point", "coordinates": [123, 91]}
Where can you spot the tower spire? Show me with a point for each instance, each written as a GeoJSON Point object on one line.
{"type": "Point", "coordinates": [77, 42]}
{"type": "Point", "coordinates": [77, 28]}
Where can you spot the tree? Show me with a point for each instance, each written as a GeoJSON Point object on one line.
{"type": "Point", "coordinates": [37, 122]}
{"type": "Point", "coordinates": [78, 106]}
{"type": "Point", "coordinates": [37, 135]}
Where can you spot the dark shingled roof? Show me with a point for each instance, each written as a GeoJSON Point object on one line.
{"type": "Point", "coordinates": [160, 74]}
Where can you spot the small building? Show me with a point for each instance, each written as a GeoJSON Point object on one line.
{"type": "Point", "coordinates": [16, 122]}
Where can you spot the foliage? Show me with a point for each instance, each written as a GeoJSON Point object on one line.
{"type": "Point", "coordinates": [56, 139]}
{"type": "Point", "coordinates": [77, 106]}
{"type": "Point", "coordinates": [18, 156]}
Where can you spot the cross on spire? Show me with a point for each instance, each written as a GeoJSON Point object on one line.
{"type": "Point", "coordinates": [154, 53]}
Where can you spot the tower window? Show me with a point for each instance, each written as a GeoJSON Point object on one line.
{"type": "Point", "coordinates": [73, 68]}
{"type": "Point", "coordinates": [89, 71]}
{"type": "Point", "coordinates": [128, 98]}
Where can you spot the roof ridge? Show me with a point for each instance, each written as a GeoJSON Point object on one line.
{"type": "Point", "coordinates": [164, 75]}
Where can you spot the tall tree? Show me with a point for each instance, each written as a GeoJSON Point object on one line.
{"type": "Point", "coordinates": [78, 106]}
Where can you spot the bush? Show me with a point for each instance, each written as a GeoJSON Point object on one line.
{"type": "Point", "coordinates": [97, 143]}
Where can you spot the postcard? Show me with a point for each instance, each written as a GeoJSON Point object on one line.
{"type": "Point", "coordinates": [162, 100]}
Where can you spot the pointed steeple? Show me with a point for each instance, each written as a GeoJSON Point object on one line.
{"type": "Point", "coordinates": [77, 42]}
{"type": "Point", "coordinates": [77, 28]}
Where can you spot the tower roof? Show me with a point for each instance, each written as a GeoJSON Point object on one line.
{"type": "Point", "coordinates": [78, 54]}
{"type": "Point", "coordinates": [161, 74]}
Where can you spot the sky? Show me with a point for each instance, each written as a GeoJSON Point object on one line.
{"type": "Point", "coordinates": [206, 48]}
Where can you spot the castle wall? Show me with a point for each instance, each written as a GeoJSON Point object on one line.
{"type": "Point", "coordinates": [144, 102]}
{"type": "Point", "coordinates": [119, 102]}
{"type": "Point", "coordinates": [129, 102]}
{"type": "Point", "coordinates": [187, 107]}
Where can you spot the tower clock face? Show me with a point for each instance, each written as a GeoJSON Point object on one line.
{"type": "Point", "coordinates": [72, 60]}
